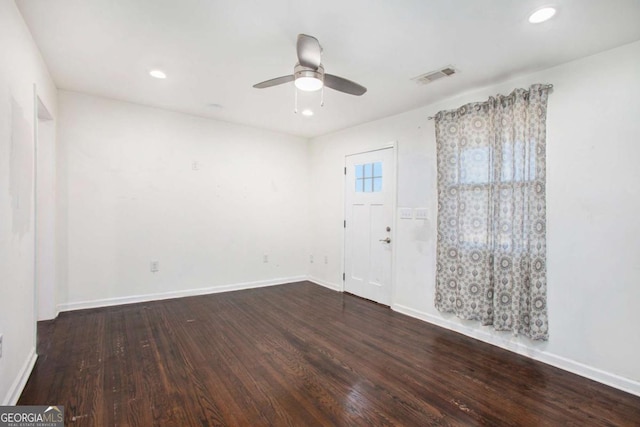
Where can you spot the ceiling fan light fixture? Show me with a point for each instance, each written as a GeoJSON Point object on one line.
{"type": "Point", "coordinates": [308, 84]}
{"type": "Point", "coordinates": [307, 79]}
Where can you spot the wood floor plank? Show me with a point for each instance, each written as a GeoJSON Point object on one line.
{"type": "Point", "coordinates": [299, 355]}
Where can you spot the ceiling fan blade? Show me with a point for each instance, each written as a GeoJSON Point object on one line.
{"type": "Point", "coordinates": [274, 82]}
{"type": "Point", "coordinates": [309, 51]}
{"type": "Point", "coordinates": [343, 85]}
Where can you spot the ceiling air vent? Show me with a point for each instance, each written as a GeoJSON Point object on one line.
{"type": "Point", "coordinates": [435, 75]}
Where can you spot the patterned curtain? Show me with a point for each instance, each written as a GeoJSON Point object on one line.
{"type": "Point", "coordinates": [491, 256]}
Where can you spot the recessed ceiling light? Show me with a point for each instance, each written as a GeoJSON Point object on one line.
{"type": "Point", "coordinates": [541, 15]}
{"type": "Point", "coordinates": [158, 74]}
{"type": "Point", "coordinates": [307, 113]}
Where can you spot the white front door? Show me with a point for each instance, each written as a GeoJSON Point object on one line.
{"type": "Point", "coordinates": [369, 207]}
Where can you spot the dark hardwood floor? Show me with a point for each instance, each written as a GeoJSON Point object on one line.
{"type": "Point", "coordinates": [300, 355]}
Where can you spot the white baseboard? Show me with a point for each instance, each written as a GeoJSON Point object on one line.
{"type": "Point", "coordinates": [81, 305]}
{"type": "Point", "coordinates": [613, 380]}
{"type": "Point", "coordinates": [321, 282]}
{"type": "Point", "coordinates": [21, 380]}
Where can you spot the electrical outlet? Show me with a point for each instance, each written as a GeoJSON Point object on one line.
{"type": "Point", "coordinates": [265, 258]}
{"type": "Point", "coordinates": [326, 259]}
{"type": "Point", "coordinates": [311, 259]}
{"type": "Point", "coordinates": [0, 346]}
{"type": "Point", "coordinates": [154, 266]}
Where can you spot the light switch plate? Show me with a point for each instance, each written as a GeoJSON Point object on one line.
{"type": "Point", "coordinates": [406, 213]}
{"type": "Point", "coordinates": [421, 213]}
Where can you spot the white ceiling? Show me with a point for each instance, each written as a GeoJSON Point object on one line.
{"type": "Point", "coordinates": [213, 51]}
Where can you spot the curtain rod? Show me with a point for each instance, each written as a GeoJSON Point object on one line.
{"type": "Point", "coordinates": [543, 86]}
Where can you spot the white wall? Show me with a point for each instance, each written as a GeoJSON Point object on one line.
{"type": "Point", "coordinates": [593, 197]}
{"type": "Point", "coordinates": [21, 67]}
{"type": "Point", "coordinates": [128, 195]}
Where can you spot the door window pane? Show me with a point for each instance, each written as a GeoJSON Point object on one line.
{"type": "Point", "coordinates": [377, 169]}
{"type": "Point", "coordinates": [369, 177]}
{"type": "Point", "coordinates": [368, 170]}
{"type": "Point", "coordinates": [368, 185]}
{"type": "Point", "coordinates": [377, 184]}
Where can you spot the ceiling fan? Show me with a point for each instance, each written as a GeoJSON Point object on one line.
{"type": "Point", "coordinates": [308, 73]}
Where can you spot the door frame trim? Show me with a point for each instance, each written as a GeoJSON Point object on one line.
{"type": "Point", "coordinates": [393, 145]}
{"type": "Point", "coordinates": [43, 237]}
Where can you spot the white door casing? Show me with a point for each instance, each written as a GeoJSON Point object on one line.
{"type": "Point", "coordinates": [44, 211]}
{"type": "Point", "coordinates": [369, 207]}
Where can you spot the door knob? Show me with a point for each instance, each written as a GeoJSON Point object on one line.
{"type": "Point", "coordinates": [387, 240]}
